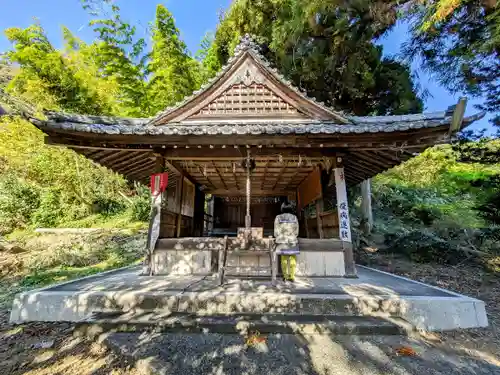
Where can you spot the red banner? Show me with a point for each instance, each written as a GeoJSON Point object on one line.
{"type": "Point", "coordinates": [159, 182]}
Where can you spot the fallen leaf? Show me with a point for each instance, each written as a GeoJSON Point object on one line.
{"type": "Point", "coordinates": [406, 351]}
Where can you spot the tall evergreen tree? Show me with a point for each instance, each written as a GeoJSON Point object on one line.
{"type": "Point", "coordinates": [120, 56]}
{"type": "Point", "coordinates": [173, 73]}
{"type": "Point", "coordinates": [459, 41]}
{"type": "Point", "coordinates": [325, 48]}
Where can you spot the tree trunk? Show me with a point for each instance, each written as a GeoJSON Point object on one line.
{"type": "Point", "coordinates": [366, 207]}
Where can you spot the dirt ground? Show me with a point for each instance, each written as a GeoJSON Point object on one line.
{"type": "Point", "coordinates": [20, 351]}
{"type": "Point", "coordinates": [469, 279]}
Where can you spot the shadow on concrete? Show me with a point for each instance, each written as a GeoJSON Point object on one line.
{"type": "Point", "coordinates": [215, 353]}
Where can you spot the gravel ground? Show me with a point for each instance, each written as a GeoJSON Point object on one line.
{"type": "Point", "coordinates": [294, 354]}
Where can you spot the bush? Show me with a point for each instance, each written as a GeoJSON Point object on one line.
{"type": "Point", "coordinates": [107, 206]}
{"type": "Point", "coordinates": [18, 201]}
{"type": "Point", "coordinates": [141, 204]}
{"type": "Point", "coordinates": [421, 246]}
{"type": "Point", "coordinates": [49, 211]}
{"type": "Point", "coordinates": [424, 213]}
{"type": "Point", "coordinates": [413, 205]}
{"type": "Point", "coordinates": [140, 209]}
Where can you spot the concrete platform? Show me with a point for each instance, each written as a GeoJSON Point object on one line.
{"type": "Point", "coordinates": [373, 293]}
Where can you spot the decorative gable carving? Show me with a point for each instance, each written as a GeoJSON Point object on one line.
{"type": "Point", "coordinates": [247, 100]}
{"type": "Point", "coordinates": [247, 88]}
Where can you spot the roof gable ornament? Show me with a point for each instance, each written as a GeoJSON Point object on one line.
{"type": "Point", "coordinates": [247, 89]}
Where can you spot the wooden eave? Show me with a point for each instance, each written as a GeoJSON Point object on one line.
{"type": "Point", "coordinates": [208, 145]}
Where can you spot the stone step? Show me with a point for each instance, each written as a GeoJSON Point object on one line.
{"type": "Point", "coordinates": [216, 303]}
{"type": "Point", "coordinates": [242, 324]}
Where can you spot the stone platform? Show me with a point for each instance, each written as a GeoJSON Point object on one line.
{"type": "Point", "coordinates": [373, 293]}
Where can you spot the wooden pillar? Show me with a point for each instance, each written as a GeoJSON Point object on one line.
{"type": "Point", "coordinates": [319, 221]}
{"type": "Point", "coordinates": [159, 163]}
{"type": "Point", "coordinates": [248, 217]}
{"type": "Point", "coordinates": [366, 207]}
{"type": "Point", "coordinates": [344, 221]}
{"type": "Point", "coordinates": [178, 223]}
{"type": "Point", "coordinates": [155, 219]}
{"type": "Point", "coordinates": [199, 212]}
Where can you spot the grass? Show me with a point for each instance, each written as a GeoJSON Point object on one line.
{"type": "Point", "coordinates": [62, 274]}
{"type": "Point", "coordinates": [56, 258]}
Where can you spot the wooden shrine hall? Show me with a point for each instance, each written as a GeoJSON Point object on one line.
{"type": "Point", "coordinates": [234, 151]}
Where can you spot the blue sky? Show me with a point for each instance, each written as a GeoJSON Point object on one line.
{"type": "Point", "coordinates": [193, 18]}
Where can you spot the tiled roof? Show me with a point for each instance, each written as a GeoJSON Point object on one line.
{"type": "Point", "coordinates": [375, 124]}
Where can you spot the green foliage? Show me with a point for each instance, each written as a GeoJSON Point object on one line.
{"type": "Point", "coordinates": [53, 258]}
{"type": "Point", "coordinates": [107, 206]}
{"type": "Point", "coordinates": [121, 57]}
{"type": "Point", "coordinates": [141, 205]}
{"type": "Point", "coordinates": [50, 209]}
{"type": "Point", "coordinates": [47, 77]}
{"type": "Point", "coordinates": [459, 40]}
{"type": "Point", "coordinates": [422, 247]}
{"type": "Point", "coordinates": [173, 73]}
{"type": "Point", "coordinates": [45, 186]}
{"type": "Point", "coordinates": [325, 48]}
{"type": "Point", "coordinates": [434, 206]}
{"type": "Point", "coordinates": [18, 201]}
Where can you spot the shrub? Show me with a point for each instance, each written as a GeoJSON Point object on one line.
{"type": "Point", "coordinates": [141, 204]}
{"type": "Point", "coordinates": [140, 209]}
{"type": "Point", "coordinates": [18, 201]}
{"type": "Point", "coordinates": [421, 246]}
{"type": "Point", "coordinates": [49, 211]}
{"type": "Point", "coordinates": [107, 206]}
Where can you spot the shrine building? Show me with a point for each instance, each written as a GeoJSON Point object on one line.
{"type": "Point", "coordinates": [238, 148]}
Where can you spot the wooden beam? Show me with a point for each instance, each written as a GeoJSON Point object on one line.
{"type": "Point", "coordinates": [114, 155]}
{"type": "Point", "coordinates": [205, 176]}
{"type": "Point", "coordinates": [366, 207]}
{"type": "Point", "coordinates": [292, 178]}
{"type": "Point", "coordinates": [235, 179]}
{"type": "Point", "coordinates": [93, 154]}
{"type": "Point", "coordinates": [129, 162]}
{"type": "Point", "coordinates": [349, 172]}
{"type": "Point", "coordinates": [235, 154]}
{"type": "Point", "coordinates": [280, 174]}
{"type": "Point", "coordinates": [361, 167]}
{"type": "Point", "coordinates": [142, 166]}
{"type": "Point", "coordinates": [178, 222]}
{"type": "Point", "coordinates": [159, 163]}
{"type": "Point", "coordinates": [458, 116]}
{"type": "Point", "coordinates": [220, 176]}
{"type": "Point", "coordinates": [265, 173]}
{"type": "Point", "coordinates": [368, 157]}
{"type": "Point", "coordinates": [56, 141]}
{"type": "Point", "coordinates": [372, 166]}
{"type": "Point", "coordinates": [259, 192]}
{"type": "Point", "coordinates": [130, 166]}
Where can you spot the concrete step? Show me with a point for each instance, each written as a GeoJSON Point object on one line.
{"type": "Point", "coordinates": [217, 303]}
{"type": "Point", "coordinates": [242, 324]}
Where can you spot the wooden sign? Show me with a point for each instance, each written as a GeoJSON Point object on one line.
{"type": "Point", "coordinates": [310, 189]}
{"type": "Point", "coordinates": [187, 206]}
